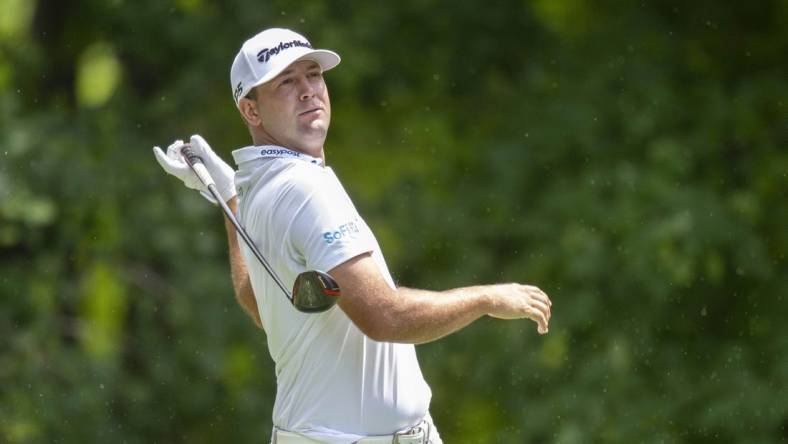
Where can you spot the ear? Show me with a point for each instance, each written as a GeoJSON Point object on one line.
{"type": "Point", "coordinates": [248, 109]}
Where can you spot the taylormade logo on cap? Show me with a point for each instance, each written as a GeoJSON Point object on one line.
{"type": "Point", "coordinates": [270, 52]}
{"type": "Point", "coordinates": [266, 53]}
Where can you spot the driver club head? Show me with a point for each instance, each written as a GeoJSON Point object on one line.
{"type": "Point", "coordinates": [314, 292]}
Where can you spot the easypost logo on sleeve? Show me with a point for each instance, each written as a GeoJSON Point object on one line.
{"type": "Point", "coordinates": [348, 230]}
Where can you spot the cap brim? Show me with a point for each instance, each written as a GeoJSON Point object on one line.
{"type": "Point", "coordinates": [323, 57]}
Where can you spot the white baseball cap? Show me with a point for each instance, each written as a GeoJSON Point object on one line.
{"type": "Point", "coordinates": [270, 52]}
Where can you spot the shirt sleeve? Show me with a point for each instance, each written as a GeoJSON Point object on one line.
{"type": "Point", "coordinates": [326, 229]}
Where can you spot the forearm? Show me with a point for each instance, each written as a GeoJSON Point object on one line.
{"type": "Point", "coordinates": [404, 314]}
{"type": "Point", "coordinates": [240, 276]}
{"type": "Point", "coordinates": [419, 316]}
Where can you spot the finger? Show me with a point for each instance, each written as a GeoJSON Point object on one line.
{"type": "Point", "coordinates": [538, 317]}
{"type": "Point", "coordinates": [165, 162]}
{"type": "Point", "coordinates": [200, 145]}
{"type": "Point", "coordinates": [537, 293]}
{"type": "Point", "coordinates": [542, 307]}
{"type": "Point", "coordinates": [174, 150]}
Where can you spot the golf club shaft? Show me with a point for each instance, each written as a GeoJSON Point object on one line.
{"type": "Point", "coordinates": [196, 164]}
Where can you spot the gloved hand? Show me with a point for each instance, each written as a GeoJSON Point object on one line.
{"type": "Point", "coordinates": [175, 164]}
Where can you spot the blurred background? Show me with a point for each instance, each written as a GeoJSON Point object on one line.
{"type": "Point", "coordinates": [629, 158]}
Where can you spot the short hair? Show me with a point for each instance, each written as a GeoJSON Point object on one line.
{"type": "Point", "coordinates": [252, 95]}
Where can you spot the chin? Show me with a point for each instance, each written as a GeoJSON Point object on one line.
{"type": "Point", "coordinates": [312, 145]}
{"type": "Point", "coordinates": [314, 135]}
{"type": "Point", "coordinates": [319, 125]}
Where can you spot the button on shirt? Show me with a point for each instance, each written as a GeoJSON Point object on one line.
{"type": "Point", "coordinates": [333, 383]}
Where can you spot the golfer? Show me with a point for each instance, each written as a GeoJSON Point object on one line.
{"type": "Point", "coordinates": [348, 374]}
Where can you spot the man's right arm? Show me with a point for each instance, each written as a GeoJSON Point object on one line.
{"type": "Point", "coordinates": [418, 316]}
{"type": "Point", "coordinates": [238, 271]}
{"type": "Point", "coordinates": [173, 163]}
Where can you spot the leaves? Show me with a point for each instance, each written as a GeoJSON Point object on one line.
{"type": "Point", "coordinates": [628, 159]}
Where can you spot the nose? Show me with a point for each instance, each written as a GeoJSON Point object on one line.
{"type": "Point", "coordinates": [306, 89]}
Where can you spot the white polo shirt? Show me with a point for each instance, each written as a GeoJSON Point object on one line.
{"type": "Point", "coordinates": [333, 383]}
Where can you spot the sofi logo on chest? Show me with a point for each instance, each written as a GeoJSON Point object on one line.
{"type": "Point", "coordinates": [350, 229]}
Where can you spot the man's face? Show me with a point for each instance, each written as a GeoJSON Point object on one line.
{"type": "Point", "coordinates": [294, 108]}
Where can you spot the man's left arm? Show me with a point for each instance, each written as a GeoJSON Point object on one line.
{"type": "Point", "coordinates": [417, 316]}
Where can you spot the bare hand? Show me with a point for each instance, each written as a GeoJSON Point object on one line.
{"type": "Point", "coordinates": [516, 301]}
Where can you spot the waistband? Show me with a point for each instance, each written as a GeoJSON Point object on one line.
{"type": "Point", "coordinates": [418, 434]}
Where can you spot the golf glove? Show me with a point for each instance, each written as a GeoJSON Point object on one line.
{"type": "Point", "coordinates": [174, 163]}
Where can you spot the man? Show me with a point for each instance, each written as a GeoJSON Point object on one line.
{"type": "Point", "coordinates": [349, 374]}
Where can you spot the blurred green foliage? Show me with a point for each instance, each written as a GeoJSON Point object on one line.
{"type": "Point", "coordinates": [630, 158]}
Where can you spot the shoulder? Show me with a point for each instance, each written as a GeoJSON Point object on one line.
{"type": "Point", "coordinates": [305, 180]}
{"type": "Point", "coordinates": [291, 186]}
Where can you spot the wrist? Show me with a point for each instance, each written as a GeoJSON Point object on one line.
{"type": "Point", "coordinates": [228, 193]}
{"type": "Point", "coordinates": [226, 187]}
{"type": "Point", "coordinates": [232, 203]}
{"type": "Point", "coordinates": [489, 299]}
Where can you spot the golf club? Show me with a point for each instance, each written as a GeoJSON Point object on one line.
{"type": "Point", "coordinates": [313, 291]}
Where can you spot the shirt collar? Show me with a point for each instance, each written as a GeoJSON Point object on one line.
{"type": "Point", "coordinates": [249, 153]}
